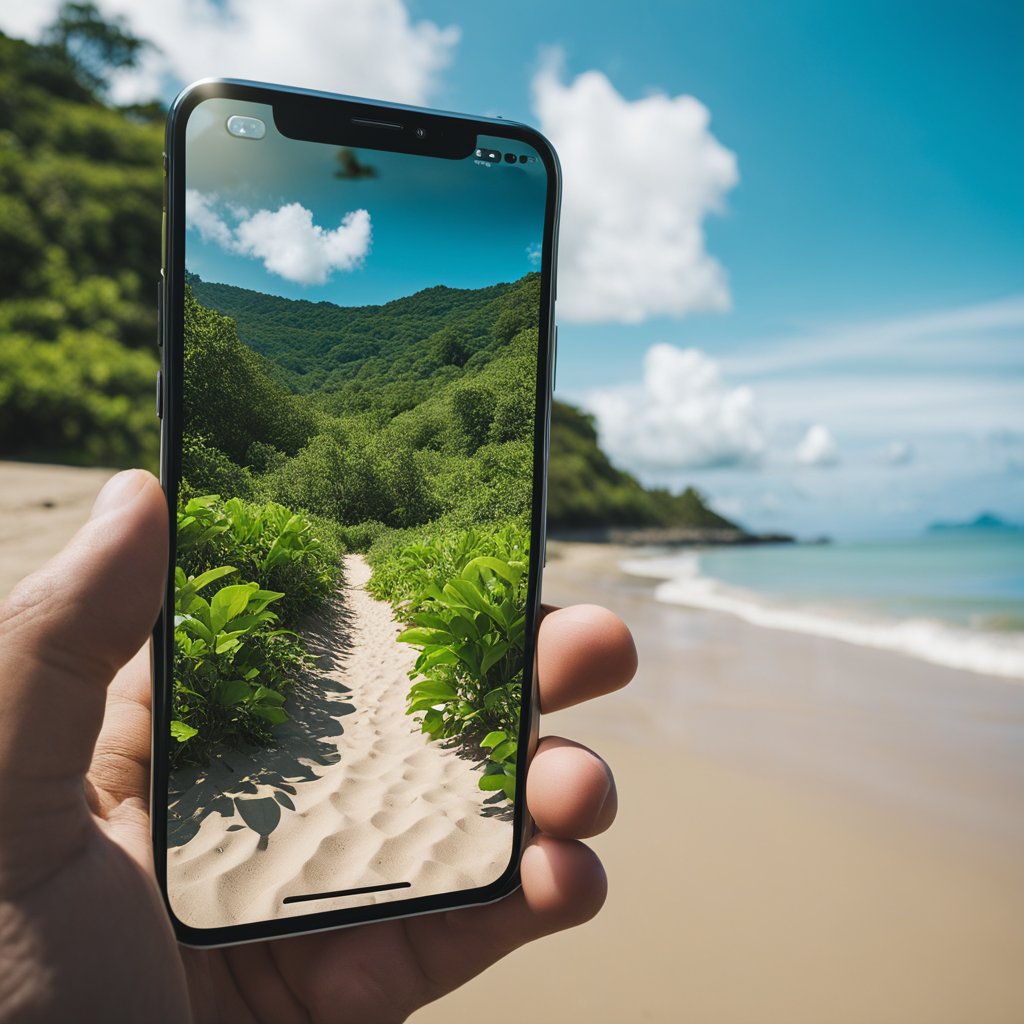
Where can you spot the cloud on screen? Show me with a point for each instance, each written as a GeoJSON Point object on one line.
{"type": "Point", "coordinates": [285, 240]}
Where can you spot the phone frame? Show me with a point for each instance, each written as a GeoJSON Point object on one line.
{"type": "Point", "coordinates": [329, 116]}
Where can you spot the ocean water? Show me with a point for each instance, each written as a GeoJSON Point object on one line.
{"type": "Point", "coordinates": [954, 597]}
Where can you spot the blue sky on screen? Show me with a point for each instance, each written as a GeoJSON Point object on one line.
{"type": "Point", "coordinates": [792, 265]}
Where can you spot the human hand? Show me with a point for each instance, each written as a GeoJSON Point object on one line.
{"type": "Point", "coordinates": [84, 934]}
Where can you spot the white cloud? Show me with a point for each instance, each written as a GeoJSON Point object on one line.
{"type": "Point", "coordinates": [818, 447]}
{"type": "Point", "coordinates": [682, 416]}
{"type": "Point", "coordinates": [640, 177]}
{"type": "Point", "coordinates": [201, 215]}
{"type": "Point", "coordinates": [534, 254]}
{"type": "Point", "coordinates": [286, 240]}
{"type": "Point", "coordinates": [972, 335]}
{"type": "Point", "coordinates": [365, 47]}
{"type": "Point", "coordinates": [291, 245]}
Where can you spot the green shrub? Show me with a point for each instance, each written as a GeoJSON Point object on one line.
{"type": "Point", "coordinates": [232, 667]}
{"type": "Point", "coordinates": [464, 596]}
{"type": "Point", "coordinates": [267, 542]}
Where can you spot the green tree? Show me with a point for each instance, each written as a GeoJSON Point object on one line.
{"type": "Point", "coordinates": [93, 45]}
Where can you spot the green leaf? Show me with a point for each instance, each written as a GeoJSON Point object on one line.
{"type": "Point", "coordinates": [229, 602]}
{"type": "Point", "coordinates": [274, 715]}
{"type": "Point", "coordinates": [493, 655]}
{"type": "Point", "coordinates": [418, 636]}
{"type": "Point", "coordinates": [492, 739]}
{"type": "Point", "coordinates": [182, 731]}
{"type": "Point", "coordinates": [504, 751]}
{"type": "Point", "coordinates": [265, 695]}
{"type": "Point", "coordinates": [491, 783]}
{"type": "Point", "coordinates": [233, 691]}
{"type": "Point", "coordinates": [210, 575]}
{"type": "Point", "coordinates": [434, 688]}
{"type": "Point", "coordinates": [496, 565]}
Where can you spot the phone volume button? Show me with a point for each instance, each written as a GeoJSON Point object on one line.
{"type": "Point", "coordinates": [160, 311]}
{"type": "Point", "coordinates": [159, 395]}
{"type": "Point", "coordinates": [554, 361]}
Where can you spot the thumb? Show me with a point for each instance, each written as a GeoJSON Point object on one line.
{"type": "Point", "coordinates": [64, 632]}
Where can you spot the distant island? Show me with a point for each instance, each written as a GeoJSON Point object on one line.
{"type": "Point", "coordinates": [982, 521]}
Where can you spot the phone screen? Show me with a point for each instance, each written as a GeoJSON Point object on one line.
{"type": "Point", "coordinates": [361, 440]}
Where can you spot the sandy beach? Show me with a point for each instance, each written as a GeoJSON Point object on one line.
{"type": "Point", "coordinates": [354, 796]}
{"type": "Point", "coordinates": [809, 831]}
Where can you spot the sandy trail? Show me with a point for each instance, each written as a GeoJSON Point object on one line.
{"type": "Point", "coordinates": [354, 796]}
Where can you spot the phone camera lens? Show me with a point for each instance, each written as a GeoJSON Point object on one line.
{"type": "Point", "coordinates": [510, 158]}
{"type": "Point", "coordinates": [523, 158]}
{"type": "Point", "coordinates": [421, 133]}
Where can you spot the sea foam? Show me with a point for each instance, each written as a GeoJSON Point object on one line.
{"type": "Point", "coordinates": [988, 653]}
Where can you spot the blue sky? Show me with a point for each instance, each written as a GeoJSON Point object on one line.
{"type": "Point", "coordinates": [818, 257]}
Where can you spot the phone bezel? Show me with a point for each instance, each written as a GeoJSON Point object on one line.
{"type": "Point", "coordinates": [443, 127]}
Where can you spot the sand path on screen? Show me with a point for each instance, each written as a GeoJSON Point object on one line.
{"type": "Point", "coordinates": [354, 796]}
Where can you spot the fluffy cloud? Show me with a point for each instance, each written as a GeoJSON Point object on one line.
{"type": "Point", "coordinates": [818, 447]}
{"type": "Point", "coordinates": [682, 416]}
{"type": "Point", "coordinates": [640, 177]}
{"type": "Point", "coordinates": [286, 240]}
{"type": "Point", "coordinates": [366, 47]}
{"type": "Point", "coordinates": [201, 215]}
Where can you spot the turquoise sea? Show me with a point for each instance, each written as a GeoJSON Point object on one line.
{"type": "Point", "coordinates": [954, 597]}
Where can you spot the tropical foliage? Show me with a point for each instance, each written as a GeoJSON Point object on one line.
{"type": "Point", "coordinates": [464, 596]}
{"type": "Point", "coordinates": [235, 659]}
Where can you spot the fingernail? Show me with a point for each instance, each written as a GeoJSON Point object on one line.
{"type": "Point", "coordinates": [118, 491]}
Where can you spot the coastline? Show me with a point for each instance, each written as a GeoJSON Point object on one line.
{"type": "Point", "coordinates": [808, 831]}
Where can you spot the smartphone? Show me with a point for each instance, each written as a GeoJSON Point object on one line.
{"type": "Point", "coordinates": [357, 336]}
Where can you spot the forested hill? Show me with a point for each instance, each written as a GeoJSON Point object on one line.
{"type": "Point", "coordinates": [321, 345]}
{"type": "Point", "coordinates": [389, 359]}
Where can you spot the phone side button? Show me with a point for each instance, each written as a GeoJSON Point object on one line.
{"type": "Point", "coordinates": [159, 395]}
{"type": "Point", "coordinates": [554, 362]}
{"type": "Point", "coordinates": [160, 311]}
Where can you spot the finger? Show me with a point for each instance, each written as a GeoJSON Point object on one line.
{"type": "Point", "coordinates": [563, 885]}
{"type": "Point", "coordinates": [68, 628]}
{"type": "Point", "coordinates": [583, 651]}
{"type": "Point", "coordinates": [570, 791]}
{"type": "Point", "coordinates": [120, 764]}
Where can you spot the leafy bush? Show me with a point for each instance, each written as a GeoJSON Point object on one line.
{"type": "Point", "coordinates": [268, 542]}
{"type": "Point", "coordinates": [232, 667]}
{"type": "Point", "coordinates": [466, 611]}
{"type": "Point", "coordinates": [80, 398]}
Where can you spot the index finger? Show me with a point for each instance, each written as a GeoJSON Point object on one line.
{"type": "Point", "coordinates": [583, 651]}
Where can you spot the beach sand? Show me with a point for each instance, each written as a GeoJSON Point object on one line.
{"type": "Point", "coordinates": [808, 831]}
{"type": "Point", "coordinates": [354, 796]}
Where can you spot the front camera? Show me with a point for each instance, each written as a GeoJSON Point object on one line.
{"type": "Point", "coordinates": [243, 127]}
